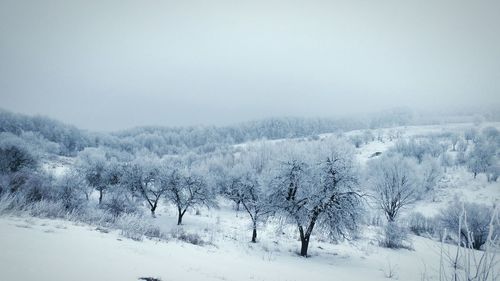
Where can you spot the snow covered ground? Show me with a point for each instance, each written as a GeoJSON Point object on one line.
{"type": "Point", "coordinates": [42, 249]}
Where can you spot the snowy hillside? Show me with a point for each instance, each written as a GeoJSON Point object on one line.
{"type": "Point", "coordinates": [41, 249]}
{"type": "Point", "coordinates": [214, 243]}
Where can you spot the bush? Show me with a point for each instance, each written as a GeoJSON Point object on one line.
{"type": "Point", "coordinates": [395, 237]}
{"type": "Point", "coordinates": [119, 204]}
{"type": "Point", "coordinates": [471, 219]}
{"type": "Point", "coordinates": [192, 238]}
{"type": "Point", "coordinates": [15, 154]}
{"type": "Point", "coordinates": [420, 225]}
{"type": "Point", "coordinates": [68, 190]}
{"type": "Point", "coordinates": [430, 173]}
{"type": "Point", "coordinates": [136, 227]}
{"type": "Point", "coordinates": [46, 209]}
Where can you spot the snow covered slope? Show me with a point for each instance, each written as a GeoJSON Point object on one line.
{"type": "Point", "coordinates": [52, 250]}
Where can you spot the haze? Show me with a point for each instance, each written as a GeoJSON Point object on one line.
{"type": "Point", "coordinates": [108, 65]}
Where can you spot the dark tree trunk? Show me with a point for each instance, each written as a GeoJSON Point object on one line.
{"type": "Point", "coordinates": [254, 233]}
{"type": "Point", "coordinates": [100, 196]}
{"type": "Point", "coordinates": [153, 207]}
{"type": "Point", "coordinates": [305, 236]}
{"type": "Point", "coordinates": [304, 246]}
{"type": "Point", "coordinates": [181, 214]}
{"type": "Point", "coordinates": [304, 242]}
{"type": "Point", "coordinates": [179, 219]}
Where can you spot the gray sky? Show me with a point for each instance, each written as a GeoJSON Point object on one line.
{"type": "Point", "coordinates": [107, 65]}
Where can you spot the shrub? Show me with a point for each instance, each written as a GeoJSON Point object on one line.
{"type": "Point", "coordinates": [192, 238]}
{"type": "Point", "coordinates": [119, 203]}
{"type": "Point", "coordinates": [420, 225]}
{"type": "Point", "coordinates": [136, 227]}
{"type": "Point", "coordinates": [471, 219]}
{"type": "Point", "coordinates": [395, 237]}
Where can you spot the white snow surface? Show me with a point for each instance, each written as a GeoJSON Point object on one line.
{"type": "Point", "coordinates": [51, 250]}
{"type": "Point", "coordinates": [41, 249]}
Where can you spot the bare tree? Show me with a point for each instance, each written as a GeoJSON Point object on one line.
{"type": "Point", "coordinates": [319, 191]}
{"type": "Point", "coordinates": [481, 158]}
{"type": "Point", "coordinates": [186, 190]}
{"type": "Point", "coordinates": [394, 184]}
{"type": "Point", "coordinates": [147, 179]}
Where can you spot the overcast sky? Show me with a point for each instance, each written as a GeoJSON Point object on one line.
{"type": "Point", "coordinates": [107, 65]}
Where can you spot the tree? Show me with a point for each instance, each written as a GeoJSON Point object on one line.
{"type": "Point", "coordinates": [454, 139]}
{"type": "Point", "coordinates": [472, 220]}
{"type": "Point", "coordinates": [470, 134]}
{"type": "Point", "coordinates": [394, 183]}
{"type": "Point", "coordinates": [319, 191]}
{"type": "Point", "coordinates": [185, 190]}
{"type": "Point", "coordinates": [246, 189]}
{"type": "Point", "coordinates": [491, 133]}
{"type": "Point", "coordinates": [99, 172]}
{"type": "Point", "coordinates": [68, 189]}
{"type": "Point", "coordinates": [15, 154]}
{"type": "Point", "coordinates": [148, 179]}
{"type": "Point", "coordinates": [480, 157]}
{"type": "Point", "coordinates": [430, 172]}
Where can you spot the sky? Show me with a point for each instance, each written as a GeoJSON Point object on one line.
{"type": "Point", "coordinates": [109, 65]}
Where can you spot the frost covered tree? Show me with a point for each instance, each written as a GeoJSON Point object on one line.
{"type": "Point", "coordinates": [15, 154]}
{"type": "Point", "coordinates": [480, 157]}
{"type": "Point", "coordinates": [491, 133]}
{"type": "Point", "coordinates": [473, 221]}
{"type": "Point", "coordinates": [245, 187]}
{"type": "Point", "coordinates": [319, 191]}
{"type": "Point", "coordinates": [147, 178]}
{"type": "Point", "coordinates": [454, 139]}
{"type": "Point", "coordinates": [99, 172]}
{"type": "Point", "coordinates": [394, 183]}
{"type": "Point", "coordinates": [470, 134]}
{"type": "Point", "coordinates": [430, 172]}
{"type": "Point", "coordinates": [493, 171]}
{"type": "Point", "coordinates": [186, 189]}
{"type": "Point", "coordinates": [417, 148]}
{"type": "Point", "coordinates": [68, 189]}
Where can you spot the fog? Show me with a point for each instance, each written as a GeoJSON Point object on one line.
{"type": "Point", "coordinates": [108, 65]}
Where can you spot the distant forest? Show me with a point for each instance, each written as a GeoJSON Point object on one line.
{"type": "Point", "coordinates": [55, 137]}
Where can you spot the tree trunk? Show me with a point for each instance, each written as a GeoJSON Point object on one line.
{"type": "Point", "coordinates": [153, 207]}
{"type": "Point", "coordinates": [304, 241]}
{"type": "Point", "coordinates": [304, 237]}
{"type": "Point", "coordinates": [304, 246]}
{"type": "Point", "coordinates": [254, 233]}
{"type": "Point", "coordinates": [181, 214]}
{"type": "Point", "coordinates": [100, 196]}
{"type": "Point", "coordinates": [179, 219]}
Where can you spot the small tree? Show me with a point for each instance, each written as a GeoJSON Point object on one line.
{"type": "Point", "coordinates": [148, 180]}
{"type": "Point", "coordinates": [454, 139]}
{"type": "Point", "coordinates": [92, 163]}
{"type": "Point", "coordinates": [246, 189]}
{"type": "Point", "coordinates": [394, 183]}
{"type": "Point", "coordinates": [186, 190]}
{"type": "Point", "coordinates": [69, 189]}
{"type": "Point", "coordinates": [15, 154]}
{"type": "Point", "coordinates": [470, 134]}
{"type": "Point", "coordinates": [480, 158]}
{"type": "Point", "coordinates": [430, 172]}
{"type": "Point", "coordinates": [472, 220]}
